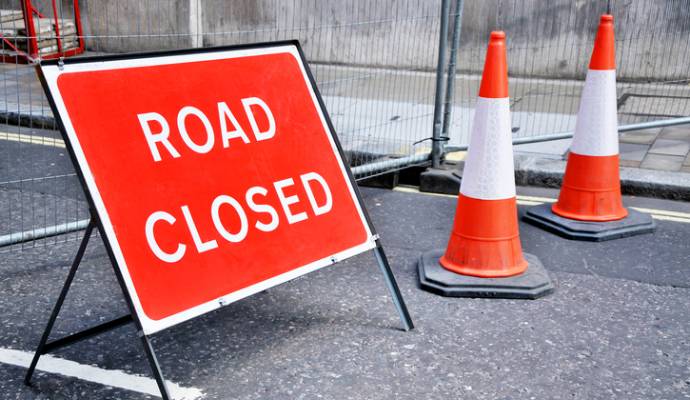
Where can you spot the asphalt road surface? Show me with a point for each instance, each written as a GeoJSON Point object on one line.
{"type": "Point", "coordinates": [617, 325]}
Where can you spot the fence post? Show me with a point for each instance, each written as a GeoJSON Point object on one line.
{"type": "Point", "coordinates": [450, 77]}
{"type": "Point", "coordinates": [436, 145]}
{"type": "Point", "coordinates": [196, 37]}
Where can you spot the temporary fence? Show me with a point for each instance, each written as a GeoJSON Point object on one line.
{"type": "Point", "coordinates": [382, 68]}
{"type": "Point", "coordinates": [374, 63]}
{"type": "Point", "coordinates": [549, 45]}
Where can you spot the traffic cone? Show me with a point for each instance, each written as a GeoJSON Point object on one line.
{"type": "Point", "coordinates": [484, 256]}
{"type": "Point", "coordinates": [590, 206]}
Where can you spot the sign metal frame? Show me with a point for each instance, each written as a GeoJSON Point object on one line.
{"type": "Point", "coordinates": [96, 221]}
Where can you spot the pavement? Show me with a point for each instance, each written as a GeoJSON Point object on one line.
{"type": "Point", "coordinates": [660, 149]}
{"type": "Point", "coordinates": [665, 149]}
{"type": "Point", "coordinates": [653, 162]}
{"type": "Point", "coordinates": [617, 326]}
{"type": "Point", "coordinates": [380, 112]}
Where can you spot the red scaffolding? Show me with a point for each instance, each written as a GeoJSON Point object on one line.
{"type": "Point", "coordinates": [32, 52]}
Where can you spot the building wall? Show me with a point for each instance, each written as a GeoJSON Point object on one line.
{"type": "Point", "coordinates": [546, 38]}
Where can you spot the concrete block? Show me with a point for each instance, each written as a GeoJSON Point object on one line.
{"type": "Point", "coordinates": [439, 180]}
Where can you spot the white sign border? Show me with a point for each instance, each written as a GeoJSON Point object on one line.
{"type": "Point", "coordinates": [52, 72]}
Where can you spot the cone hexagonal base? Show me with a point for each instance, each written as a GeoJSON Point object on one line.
{"type": "Point", "coordinates": [636, 223]}
{"type": "Point", "coordinates": [531, 284]}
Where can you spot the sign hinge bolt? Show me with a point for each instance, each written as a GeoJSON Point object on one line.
{"type": "Point", "coordinates": [61, 63]}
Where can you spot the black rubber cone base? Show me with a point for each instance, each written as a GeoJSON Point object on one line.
{"type": "Point", "coordinates": [636, 223]}
{"type": "Point", "coordinates": [532, 284]}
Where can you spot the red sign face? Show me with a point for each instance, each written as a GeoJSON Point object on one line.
{"type": "Point", "coordinates": [215, 174]}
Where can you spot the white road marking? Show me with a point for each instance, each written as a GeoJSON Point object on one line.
{"type": "Point", "coordinates": [108, 377]}
{"type": "Point", "coordinates": [662, 215]}
{"type": "Point", "coordinates": [663, 212]}
{"type": "Point", "coordinates": [528, 202]}
{"type": "Point", "coordinates": [537, 199]}
{"type": "Point", "coordinates": [667, 218]}
{"type": "Point", "coordinates": [32, 139]}
{"type": "Point", "coordinates": [409, 189]}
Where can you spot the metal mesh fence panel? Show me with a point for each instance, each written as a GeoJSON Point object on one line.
{"type": "Point", "coordinates": [374, 63]}
{"type": "Point", "coordinates": [549, 45]}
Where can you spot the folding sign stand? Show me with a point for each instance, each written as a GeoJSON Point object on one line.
{"type": "Point", "coordinates": [45, 347]}
{"type": "Point", "coordinates": [352, 231]}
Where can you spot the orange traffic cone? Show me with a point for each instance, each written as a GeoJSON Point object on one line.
{"type": "Point", "coordinates": [484, 257]}
{"type": "Point", "coordinates": [591, 190]}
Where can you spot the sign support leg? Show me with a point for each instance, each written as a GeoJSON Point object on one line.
{"type": "Point", "coordinates": [145, 339]}
{"type": "Point", "coordinates": [155, 367]}
{"type": "Point", "coordinates": [61, 299]}
{"type": "Point", "coordinates": [393, 287]}
{"type": "Point", "coordinates": [45, 346]}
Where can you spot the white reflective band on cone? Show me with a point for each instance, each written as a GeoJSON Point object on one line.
{"type": "Point", "coordinates": [596, 128]}
{"type": "Point", "coordinates": [488, 172]}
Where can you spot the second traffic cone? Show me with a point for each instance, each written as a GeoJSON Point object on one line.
{"type": "Point", "coordinates": [591, 190]}
{"type": "Point", "coordinates": [484, 256]}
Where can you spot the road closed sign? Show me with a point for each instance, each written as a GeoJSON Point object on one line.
{"type": "Point", "coordinates": [215, 174]}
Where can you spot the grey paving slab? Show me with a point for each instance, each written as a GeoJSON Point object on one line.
{"type": "Point", "coordinates": [678, 132]}
{"type": "Point", "coordinates": [632, 152]}
{"type": "Point", "coordinates": [644, 136]}
{"type": "Point", "coordinates": [629, 163]}
{"type": "Point", "coordinates": [670, 147]}
{"type": "Point", "coordinates": [552, 149]}
{"type": "Point", "coordinates": [662, 162]}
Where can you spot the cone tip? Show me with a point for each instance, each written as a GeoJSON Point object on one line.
{"type": "Point", "coordinates": [604, 53]}
{"type": "Point", "coordinates": [498, 35]}
{"type": "Point", "coordinates": [606, 18]}
{"type": "Point", "coordinates": [494, 82]}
